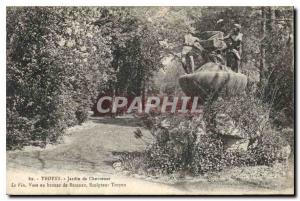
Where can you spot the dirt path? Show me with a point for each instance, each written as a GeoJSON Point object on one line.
{"type": "Point", "coordinates": [90, 148]}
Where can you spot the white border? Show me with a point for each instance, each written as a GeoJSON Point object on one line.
{"type": "Point", "coordinates": [151, 3]}
{"type": "Point", "coordinates": [5, 3]}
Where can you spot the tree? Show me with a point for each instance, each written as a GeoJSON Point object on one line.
{"type": "Point", "coordinates": [34, 76]}
{"type": "Point", "coordinates": [278, 87]}
{"type": "Point", "coordinates": [135, 50]}
{"type": "Point", "coordinates": [57, 63]}
{"type": "Point", "coordinates": [267, 47]}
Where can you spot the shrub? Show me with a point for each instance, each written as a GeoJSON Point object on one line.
{"type": "Point", "coordinates": [81, 115]}
{"type": "Point", "coordinates": [181, 145]}
{"type": "Point", "coordinates": [59, 59]}
{"type": "Point", "coordinates": [53, 73]}
{"type": "Point", "coordinates": [267, 149]}
{"type": "Point", "coordinates": [190, 144]}
{"type": "Point", "coordinates": [207, 155]}
{"type": "Point", "coordinates": [34, 77]}
{"type": "Point", "coordinates": [248, 113]}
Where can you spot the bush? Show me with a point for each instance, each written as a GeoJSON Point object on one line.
{"type": "Point", "coordinates": [34, 77]}
{"type": "Point", "coordinates": [81, 115]}
{"type": "Point", "coordinates": [53, 73]}
{"type": "Point", "coordinates": [181, 145]}
{"type": "Point", "coordinates": [267, 149]}
{"type": "Point", "coordinates": [59, 59]}
{"type": "Point", "coordinates": [207, 155]}
{"type": "Point", "coordinates": [190, 144]}
{"type": "Point", "coordinates": [248, 113]}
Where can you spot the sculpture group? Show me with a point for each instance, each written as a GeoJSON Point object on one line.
{"type": "Point", "coordinates": [208, 71]}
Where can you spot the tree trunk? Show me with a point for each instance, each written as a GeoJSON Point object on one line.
{"type": "Point", "coordinates": [267, 24]}
{"type": "Point", "coordinates": [262, 46]}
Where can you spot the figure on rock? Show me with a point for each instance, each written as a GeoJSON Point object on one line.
{"type": "Point", "coordinates": [201, 48]}
{"type": "Point", "coordinates": [206, 71]}
{"type": "Point", "coordinates": [234, 49]}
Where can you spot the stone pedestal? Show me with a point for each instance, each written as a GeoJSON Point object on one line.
{"type": "Point", "coordinates": [213, 79]}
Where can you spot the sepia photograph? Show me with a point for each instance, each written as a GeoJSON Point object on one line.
{"type": "Point", "coordinates": [161, 100]}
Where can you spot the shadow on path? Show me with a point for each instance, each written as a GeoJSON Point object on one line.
{"type": "Point", "coordinates": [119, 121]}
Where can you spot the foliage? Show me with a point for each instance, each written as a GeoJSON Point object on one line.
{"type": "Point", "coordinates": [60, 59]}
{"type": "Point", "coordinates": [181, 146]}
{"type": "Point", "coordinates": [208, 155]}
{"type": "Point", "coordinates": [268, 149]}
{"type": "Point", "coordinates": [279, 72]}
{"type": "Point", "coordinates": [247, 112]}
{"type": "Point", "coordinates": [276, 38]}
{"type": "Point", "coordinates": [135, 50]}
{"type": "Point", "coordinates": [34, 76]}
{"type": "Point", "coordinates": [191, 144]}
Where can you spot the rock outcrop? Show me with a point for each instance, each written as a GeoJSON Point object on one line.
{"type": "Point", "coordinates": [211, 80]}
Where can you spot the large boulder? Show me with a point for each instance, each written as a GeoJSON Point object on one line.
{"type": "Point", "coordinates": [234, 138]}
{"type": "Point", "coordinates": [211, 79]}
{"type": "Point", "coordinates": [225, 126]}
